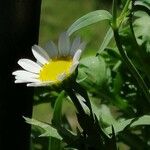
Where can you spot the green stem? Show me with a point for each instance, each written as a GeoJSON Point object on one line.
{"type": "Point", "coordinates": [114, 13]}
{"type": "Point", "coordinates": [80, 90]}
{"type": "Point", "coordinates": [75, 100]}
{"type": "Point", "coordinates": [131, 67]}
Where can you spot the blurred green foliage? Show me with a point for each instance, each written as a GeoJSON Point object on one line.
{"type": "Point", "coordinates": [57, 16]}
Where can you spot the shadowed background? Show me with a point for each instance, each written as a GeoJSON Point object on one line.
{"type": "Point", "coordinates": [19, 26]}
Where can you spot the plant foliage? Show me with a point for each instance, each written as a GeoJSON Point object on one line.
{"type": "Point", "coordinates": [110, 90]}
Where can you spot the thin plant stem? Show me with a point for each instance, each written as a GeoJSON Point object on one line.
{"type": "Point", "coordinates": [75, 100]}
{"type": "Point", "coordinates": [131, 67]}
{"type": "Point", "coordinates": [114, 13]}
{"type": "Point", "coordinates": [131, 27]}
{"type": "Point", "coordinates": [80, 90]}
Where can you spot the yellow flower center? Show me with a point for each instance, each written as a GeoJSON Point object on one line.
{"type": "Point", "coordinates": [54, 68]}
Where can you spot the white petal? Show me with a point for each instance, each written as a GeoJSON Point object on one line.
{"type": "Point", "coordinates": [28, 79]}
{"type": "Point", "coordinates": [25, 74]}
{"type": "Point", "coordinates": [40, 54]}
{"type": "Point", "coordinates": [62, 76]}
{"type": "Point", "coordinates": [40, 64]}
{"type": "Point", "coordinates": [75, 45]}
{"type": "Point", "coordinates": [74, 66]}
{"type": "Point", "coordinates": [51, 49]}
{"type": "Point", "coordinates": [64, 44]}
{"type": "Point", "coordinates": [77, 55]}
{"type": "Point", "coordinates": [29, 65]}
{"type": "Point", "coordinates": [82, 45]}
{"type": "Point", "coordinates": [21, 81]}
{"type": "Point", "coordinates": [40, 84]}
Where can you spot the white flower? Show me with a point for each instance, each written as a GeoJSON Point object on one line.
{"type": "Point", "coordinates": [53, 64]}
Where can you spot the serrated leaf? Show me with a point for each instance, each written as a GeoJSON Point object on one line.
{"type": "Point", "coordinates": [120, 126]}
{"type": "Point", "coordinates": [89, 19]}
{"type": "Point", "coordinates": [142, 6]}
{"type": "Point", "coordinates": [49, 130]}
{"type": "Point", "coordinates": [93, 70]}
{"type": "Point", "coordinates": [142, 30]}
{"type": "Point", "coordinates": [103, 112]}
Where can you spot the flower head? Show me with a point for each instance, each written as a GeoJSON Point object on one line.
{"type": "Point", "coordinates": [53, 64]}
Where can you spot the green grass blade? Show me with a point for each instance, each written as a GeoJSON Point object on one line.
{"type": "Point", "coordinates": [89, 19]}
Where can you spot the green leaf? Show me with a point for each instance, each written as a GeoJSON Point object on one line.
{"type": "Point", "coordinates": [58, 109]}
{"type": "Point", "coordinates": [121, 125]}
{"type": "Point", "coordinates": [133, 140]}
{"type": "Point", "coordinates": [142, 6]}
{"type": "Point", "coordinates": [66, 134]}
{"type": "Point", "coordinates": [117, 83]}
{"type": "Point", "coordinates": [93, 70]}
{"type": "Point", "coordinates": [106, 41]}
{"type": "Point", "coordinates": [142, 29]}
{"type": "Point", "coordinates": [89, 19]}
{"type": "Point", "coordinates": [146, 1]}
{"type": "Point", "coordinates": [103, 112]}
{"type": "Point", "coordinates": [80, 90]}
{"type": "Point", "coordinates": [49, 130]}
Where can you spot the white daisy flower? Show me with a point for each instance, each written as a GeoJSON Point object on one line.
{"type": "Point", "coordinates": [53, 64]}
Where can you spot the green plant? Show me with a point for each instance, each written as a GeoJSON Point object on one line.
{"type": "Point", "coordinates": [117, 75]}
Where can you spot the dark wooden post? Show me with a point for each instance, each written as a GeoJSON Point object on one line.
{"type": "Point", "coordinates": [19, 27]}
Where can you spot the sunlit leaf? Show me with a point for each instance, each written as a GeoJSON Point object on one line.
{"type": "Point", "coordinates": [92, 73]}
{"type": "Point", "coordinates": [142, 5]}
{"type": "Point", "coordinates": [88, 19]}
{"type": "Point", "coordinates": [121, 125]}
{"type": "Point", "coordinates": [142, 30]}
{"type": "Point", "coordinates": [103, 112]}
{"type": "Point", "coordinates": [49, 130]}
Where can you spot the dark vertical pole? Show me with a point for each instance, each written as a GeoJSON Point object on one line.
{"type": "Point", "coordinates": [19, 26]}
